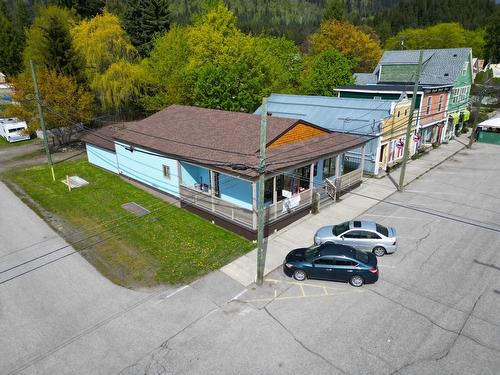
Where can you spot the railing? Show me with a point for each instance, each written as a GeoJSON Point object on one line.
{"type": "Point", "coordinates": [346, 181]}
{"type": "Point", "coordinates": [276, 211]}
{"type": "Point", "coordinates": [216, 205]}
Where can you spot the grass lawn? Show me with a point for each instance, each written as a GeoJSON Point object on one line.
{"type": "Point", "coordinates": [169, 245]}
{"type": "Point", "coordinates": [5, 144]}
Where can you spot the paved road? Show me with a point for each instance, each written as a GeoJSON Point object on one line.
{"type": "Point", "coordinates": [434, 310]}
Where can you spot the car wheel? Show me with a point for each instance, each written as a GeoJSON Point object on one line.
{"type": "Point", "coordinates": [299, 275]}
{"type": "Point", "coordinates": [379, 251]}
{"type": "Point", "coordinates": [356, 281]}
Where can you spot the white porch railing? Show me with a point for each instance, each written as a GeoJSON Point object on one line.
{"type": "Point", "coordinates": [275, 211]}
{"type": "Point", "coordinates": [346, 181]}
{"type": "Point", "coordinates": [213, 204]}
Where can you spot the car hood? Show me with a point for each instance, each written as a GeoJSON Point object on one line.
{"type": "Point", "coordinates": [325, 232]}
{"type": "Point", "coordinates": [297, 255]}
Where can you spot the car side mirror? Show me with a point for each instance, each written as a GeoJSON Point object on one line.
{"type": "Point", "coordinates": [342, 237]}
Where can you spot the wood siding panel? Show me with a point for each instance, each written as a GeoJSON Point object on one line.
{"type": "Point", "coordinates": [298, 133]}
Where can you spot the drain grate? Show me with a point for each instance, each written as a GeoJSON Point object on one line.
{"type": "Point", "coordinates": [75, 182]}
{"type": "Point", "coordinates": [136, 209]}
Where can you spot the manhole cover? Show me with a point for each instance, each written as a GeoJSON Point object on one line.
{"type": "Point", "coordinates": [135, 209]}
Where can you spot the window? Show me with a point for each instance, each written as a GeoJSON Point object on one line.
{"type": "Point", "coordinates": [355, 234]}
{"type": "Point", "coordinates": [329, 167]}
{"type": "Point", "coordinates": [344, 262]}
{"type": "Point", "coordinates": [381, 229]}
{"type": "Point", "coordinates": [429, 102]}
{"type": "Point", "coordinates": [315, 172]}
{"type": "Point", "coordinates": [325, 261]}
{"type": "Point", "coordinates": [406, 111]}
{"type": "Point", "coordinates": [166, 171]}
{"type": "Point", "coordinates": [373, 236]}
{"type": "Point", "coordinates": [399, 113]}
{"type": "Point", "coordinates": [440, 103]}
{"type": "Point", "coordinates": [217, 184]}
{"type": "Point", "coordinates": [340, 228]}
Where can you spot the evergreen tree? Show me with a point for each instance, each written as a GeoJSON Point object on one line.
{"type": "Point", "coordinates": [492, 47]}
{"type": "Point", "coordinates": [144, 19]}
{"type": "Point", "coordinates": [49, 42]}
{"type": "Point", "coordinates": [84, 8]}
{"type": "Point", "coordinates": [334, 10]}
{"type": "Point", "coordinates": [10, 52]}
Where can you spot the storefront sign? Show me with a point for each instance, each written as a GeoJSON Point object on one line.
{"type": "Point", "coordinates": [286, 193]}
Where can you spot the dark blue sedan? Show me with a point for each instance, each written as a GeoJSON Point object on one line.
{"type": "Point", "coordinates": [330, 261]}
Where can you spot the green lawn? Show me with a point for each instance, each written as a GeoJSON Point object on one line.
{"type": "Point", "coordinates": [170, 245]}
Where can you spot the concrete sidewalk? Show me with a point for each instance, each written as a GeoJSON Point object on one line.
{"type": "Point", "coordinates": [350, 206]}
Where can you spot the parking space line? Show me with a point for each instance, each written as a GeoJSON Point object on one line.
{"type": "Point", "coordinates": [305, 296]}
{"type": "Point", "coordinates": [239, 294]}
{"type": "Point", "coordinates": [302, 290]}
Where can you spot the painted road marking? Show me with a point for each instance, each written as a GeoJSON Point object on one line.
{"type": "Point", "coordinates": [306, 296]}
{"type": "Point", "coordinates": [162, 299]}
{"type": "Point", "coordinates": [239, 294]}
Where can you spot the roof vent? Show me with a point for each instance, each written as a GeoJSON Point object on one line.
{"type": "Point", "coordinates": [454, 55]}
{"type": "Point", "coordinates": [446, 74]}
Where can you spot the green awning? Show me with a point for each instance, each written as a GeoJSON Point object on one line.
{"type": "Point", "coordinates": [455, 116]}
{"type": "Point", "coordinates": [466, 115]}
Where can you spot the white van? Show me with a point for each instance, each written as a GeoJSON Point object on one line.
{"type": "Point", "coordinates": [13, 130]}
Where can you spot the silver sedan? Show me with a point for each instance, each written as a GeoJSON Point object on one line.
{"type": "Point", "coordinates": [362, 235]}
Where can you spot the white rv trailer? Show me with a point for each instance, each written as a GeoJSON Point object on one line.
{"type": "Point", "coordinates": [13, 130]}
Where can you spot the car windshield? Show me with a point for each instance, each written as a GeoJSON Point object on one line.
{"type": "Point", "coordinates": [361, 256]}
{"type": "Point", "coordinates": [312, 252]}
{"type": "Point", "coordinates": [340, 228]}
{"type": "Point", "coordinates": [383, 230]}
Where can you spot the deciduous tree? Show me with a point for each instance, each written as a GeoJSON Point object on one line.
{"type": "Point", "coordinates": [65, 103]}
{"type": "Point", "coordinates": [326, 71]}
{"type": "Point", "coordinates": [360, 48]}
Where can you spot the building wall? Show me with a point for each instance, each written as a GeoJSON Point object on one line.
{"type": "Point", "coordinates": [395, 127]}
{"type": "Point", "coordinates": [397, 72]}
{"type": "Point", "coordinates": [236, 191]}
{"type": "Point", "coordinates": [373, 95]}
{"type": "Point", "coordinates": [147, 167]}
{"type": "Point", "coordinates": [299, 132]}
{"type": "Point", "coordinates": [435, 113]}
{"type": "Point", "coordinates": [102, 158]}
{"type": "Point", "coordinates": [193, 174]}
{"type": "Point", "coordinates": [460, 93]}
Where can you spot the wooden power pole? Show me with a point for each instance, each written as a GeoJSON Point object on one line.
{"type": "Point", "coordinates": [42, 122]}
{"type": "Point", "coordinates": [261, 251]}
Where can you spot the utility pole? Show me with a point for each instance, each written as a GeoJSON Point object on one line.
{"type": "Point", "coordinates": [261, 251]}
{"type": "Point", "coordinates": [410, 121]}
{"type": "Point", "coordinates": [42, 122]}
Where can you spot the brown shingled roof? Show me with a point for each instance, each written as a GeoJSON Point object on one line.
{"type": "Point", "coordinates": [219, 139]}
{"type": "Point", "coordinates": [104, 137]}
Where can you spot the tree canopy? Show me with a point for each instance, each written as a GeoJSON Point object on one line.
{"type": "Point", "coordinates": [143, 19]}
{"type": "Point", "coordinates": [492, 47]}
{"type": "Point", "coordinates": [326, 71]}
{"type": "Point", "coordinates": [359, 47]}
{"type": "Point", "coordinates": [65, 102]}
{"type": "Point", "coordinates": [10, 52]}
{"type": "Point", "coordinates": [48, 41]}
{"type": "Point", "coordinates": [444, 35]}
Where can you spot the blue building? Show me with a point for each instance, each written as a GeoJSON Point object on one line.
{"type": "Point", "coordinates": [208, 160]}
{"type": "Point", "coordinates": [382, 120]}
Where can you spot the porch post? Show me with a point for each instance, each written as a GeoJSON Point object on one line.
{"type": "Point", "coordinates": [362, 164]}
{"type": "Point", "coordinates": [254, 205]}
{"type": "Point", "coordinates": [212, 188]}
{"type": "Point", "coordinates": [275, 193]}
{"type": "Point", "coordinates": [311, 180]}
{"type": "Point", "coordinates": [338, 166]}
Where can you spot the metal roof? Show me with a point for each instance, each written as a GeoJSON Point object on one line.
{"type": "Point", "coordinates": [440, 66]}
{"type": "Point", "coordinates": [361, 116]}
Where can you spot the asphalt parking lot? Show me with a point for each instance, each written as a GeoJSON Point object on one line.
{"type": "Point", "coordinates": [435, 307]}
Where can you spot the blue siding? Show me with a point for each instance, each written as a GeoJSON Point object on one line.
{"type": "Point", "coordinates": [147, 168]}
{"type": "Point", "coordinates": [236, 191]}
{"type": "Point", "coordinates": [192, 174]}
{"type": "Point", "coordinates": [102, 158]}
